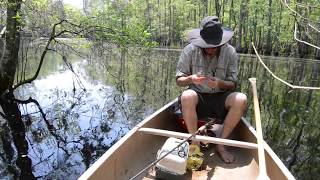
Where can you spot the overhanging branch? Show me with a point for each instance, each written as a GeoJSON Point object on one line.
{"type": "Point", "coordinates": [41, 59]}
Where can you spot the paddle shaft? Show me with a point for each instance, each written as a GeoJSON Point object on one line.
{"type": "Point", "coordinates": [262, 161]}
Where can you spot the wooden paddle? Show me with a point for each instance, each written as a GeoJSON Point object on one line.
{"type": "Point", "coordinates": [262, 162]}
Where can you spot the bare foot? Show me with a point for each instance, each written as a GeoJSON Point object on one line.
{"type": "Point", "coordinates": [224, 154]}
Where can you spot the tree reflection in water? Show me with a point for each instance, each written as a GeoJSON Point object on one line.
{"type": "Point", "coordinates": [123, 88]}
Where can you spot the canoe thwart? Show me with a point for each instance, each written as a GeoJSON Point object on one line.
{"type": "Point", "coordinates": [213, 140]}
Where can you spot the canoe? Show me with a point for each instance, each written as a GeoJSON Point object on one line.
{"type": "Point", "coordinates": [137, 149]}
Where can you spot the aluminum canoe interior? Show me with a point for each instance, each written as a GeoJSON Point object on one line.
{"type": "Point", "coordinates": [136, 150]}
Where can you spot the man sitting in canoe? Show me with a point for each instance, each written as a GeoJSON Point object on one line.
{"type": "Point", "coordinates": [209, 66]}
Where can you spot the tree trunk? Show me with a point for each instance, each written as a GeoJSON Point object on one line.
{"type": "Point", "coordinates": [10, 59]}
{"type": "Point", "coordinates": [222, 11]}
{"type": "Point", "coordinates": [231, 12]}
{"type": "Point", "coordinates": [217, 5]}
{"type": "Point", "coordinates": [245, 28]}
{"type": "Point", "coordinates": [301, 33]}
{"type": "Point", "coordinates": [317, 54]}
{"type": "Point", "coordinates": [13, 116]}
{"type": "Point", "coordinates": [10, 109]}
{"type": "Point", "coordinates": [61, 12]}
{"type": "Point", "coordinates": [259, 38]}
{"type": "Point", "coordinates": [210, 7]}
{"type": "Point", "coordinates": [148, 14]}
{"type": "Point", "coordinates": [269, 39]}
{"type": "Point", "coordinates": [169, 24]}
{"type": "Point", "coordinates": [302, 47]}
{"type": "Point", "coordinates": [278, 29]}
{"type": "Point", "coordinates": [254, 32]}
{"type": "Point", "coordinates": [205, 5]}
{"type": "Point", "coordinates": [241, 24]}
{"type": "Point", "coordinates": [159, 21]}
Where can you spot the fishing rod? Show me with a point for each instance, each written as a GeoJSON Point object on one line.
{"type": "Point", "coordinates": [201, 129]}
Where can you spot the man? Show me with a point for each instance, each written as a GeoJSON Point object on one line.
{"type": "Point", "coordinates": [208, 66]}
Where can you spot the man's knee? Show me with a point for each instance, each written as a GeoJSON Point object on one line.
{"type": "Point", "coordinates": [189, 97]}
{"type": "Point", "coordinates": [239, 100]}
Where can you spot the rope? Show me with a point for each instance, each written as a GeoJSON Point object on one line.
{"type": "Point", "coordinates": [206, 126]}
{"type": "Point", "coordinates": [279, 79]}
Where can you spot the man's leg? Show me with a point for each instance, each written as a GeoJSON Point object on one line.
{"type": "Point", "coordinates": [236, 103]}
{"type": "Point", "coordinates": [189, 101]}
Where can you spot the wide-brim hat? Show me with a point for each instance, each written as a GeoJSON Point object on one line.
{"type": "Point", "coordinates": [210, 34]}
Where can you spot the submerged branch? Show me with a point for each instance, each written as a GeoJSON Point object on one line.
{"type": "Point", "coordinates": [50, 127]}
{"type": "Point", "coordinates": [30, 100]}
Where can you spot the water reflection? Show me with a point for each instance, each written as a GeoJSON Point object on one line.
{"type": "Point", "coordinates": [290, 116]}
{"type": "Point", "coordinates": [88, 110]}
{"type": "Point", "coordinates": [80, 124]}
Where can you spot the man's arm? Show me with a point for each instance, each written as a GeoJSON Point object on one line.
{"type": "Point", "coordinates": [227, 85]}
{"type": "Point", "coordinates": [221, 84]}
{"type": "Point", "coordinates": [183, 81]}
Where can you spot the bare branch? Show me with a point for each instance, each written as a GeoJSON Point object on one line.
{"type": "Point", "coordinates": [41, 59]}
{"type": "Point", "coordinates": [70, 47]}
{"type": "Point", "coordinates": [316, 29]}
{"type": "Point", "coordinates": [79, 30]}
{"type": "Point", "coordinates": [305, 42]}
{"type": "Point", "coordinates": [296, 13]}
{"type": "Point", "coordinates": [279, 79]}
{"type": "Point", "coordinates": [69, 65]}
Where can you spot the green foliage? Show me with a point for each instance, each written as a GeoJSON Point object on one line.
{"type": "Point", "coordinates": [39, 17]}
{"type": "Point", "coordinates": [145, 22]}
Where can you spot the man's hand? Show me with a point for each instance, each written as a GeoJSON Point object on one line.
{"type": "Point", "coordinates": [218, 83]}
{"type": "Point", "coordinates": [214, 82]}
{"type": "Point", "coordinates": [198, 79]}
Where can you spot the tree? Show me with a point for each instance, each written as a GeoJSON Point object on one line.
{"type": "Point", "coordinates": [269, 38]}
{"type": "Point", "coordinates": [11, 112]}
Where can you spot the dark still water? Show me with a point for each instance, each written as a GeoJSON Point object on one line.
{"type": "Point", "coordinates": [92, 101]}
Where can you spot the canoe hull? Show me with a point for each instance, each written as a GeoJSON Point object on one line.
{"type": "Point", "coordinates": [136, 150]}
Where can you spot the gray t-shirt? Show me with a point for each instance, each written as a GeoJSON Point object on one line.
{"type": "Point", "coordinates": [192, 61]}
